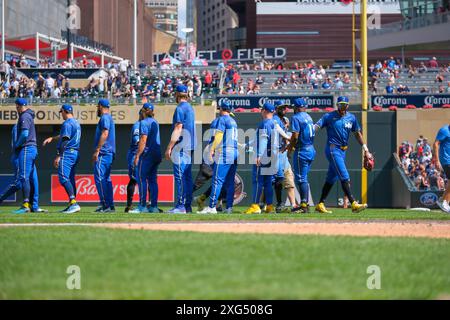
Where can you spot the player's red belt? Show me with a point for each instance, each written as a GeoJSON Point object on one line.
{"type": "Point", "coordinates": [343, 148]}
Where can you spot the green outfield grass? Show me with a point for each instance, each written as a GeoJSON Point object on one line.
{"type": "Point", "coordinates": [87, 216]}
{"type": "Point", "coordinates": [125, 264]}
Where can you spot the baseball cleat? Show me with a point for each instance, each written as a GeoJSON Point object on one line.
{"type": "Point", "coordinates": [139, 210]}
{"type": "Point", "coordinates": [269, 209]}
{"type": "Point", "coordinates": [356, 207]}
{"type": "Point", "coordinates": [254, 209]}
{"type": "Point", "coordinates": [99, 209]}
{"type": "Point", "coordinates": [322, 209]}
{"type": "Point", "coordinates": [74, 208]}
{"type": "Point", "coordinates": [177, 210]}
{"type": "Point", "coordinates": [304, 208]}
{"type": "Point", "coordinates": [208, 210]}
{"type": "Point", "coordinates": [128, 209]}
{"type": "Point", "coordinates": [109, 210]}
{"type": "Point", "coordinates": [228, 211]}
{"type": "Point", "coordinates": [153, 210]}
{"type": "Point", "coordinates": [39, 210]}
{"type": "Point", "coordinates": [444, 206]}
{"type": "Point", "coordinates": [296, 209]}
{"type": "Point", "coordinates": [22, 210]}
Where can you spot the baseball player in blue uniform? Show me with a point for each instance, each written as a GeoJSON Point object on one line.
{"type": "Point", "coordinates": [131, 156]}
{"type": "Point", "coordinates": [265, 167]}
{"type": "Point", "coordinates": [302, 141]}
{"type": "Point", "coordinates": [67, 155]}
{"type": "Point", "coordinates": [206, 170]}
{"type": "Point", "coordinates": [180, 150]}
{"type": "Point", "coordinates": [34, 181]}
{"type": "Point", "coordinates": [147, 160]}
{"type": "Point", "coordinates": [103, 157]}
{"type": "Point", "coordinates": [224, 153]}
{"type": "Point", "coordinates": [441, 150]}
{"type": "Point", "coordinates": [283, 161]}
{"type": "Point", "coordinates": [339, 125]}
{"type": "Point", "coordinates": [26, 149]}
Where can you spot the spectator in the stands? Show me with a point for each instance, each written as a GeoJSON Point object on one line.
{"type": "Point", "coordinates": [327, 84]}
{"type": "Point", "coordinates": [23, 62]}
{"type": "Point", "coordinates": [66, 87]}
{"type": "Point", "coordinates": [433, 63]}
{"type": "Point", "coordinates": [85, 61]}
{"type": "Point", "coordinates": [391, 64]}
{"type": "Point", "coordinates": [208, 79]}
{"type": "Point", "coordinates": [338, 84]}
{"type": "Point", "coordinates": [142, 66]}
{"type": "Point", "coordinates": [390, 88]}
{"type": "Point", "coordinates": [421, 181]}
{"type": "Point", "coordinates": [259, 80]}
{"type": "Point", "coordinates": [422, 68]}
{"type": "Point", "coordinates": [403, 89]}
{"type": "Point", "coordinates": [49, 84]}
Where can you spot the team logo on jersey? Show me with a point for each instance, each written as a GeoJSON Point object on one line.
{"type": "Point", "coordinates": [239, 193]}
{"type": "Point", "coordinates": [348, 125]}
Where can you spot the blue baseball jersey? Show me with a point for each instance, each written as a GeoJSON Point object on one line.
{"type": "Point", "coordinates": [70, 129]}
{"type": "Point", "coordinates": [339, 128]}
{"type": "Point", "coordinates": [265, 132]}
{"type": "Point", "coordinates": [213, 128]}
{"type": "Point", "coordinates": [282, 125]}
{"type": "Point", "coordinates": [229, 148]}
{"type": "Point", "coordinates": [135, 133]}
{"type": "Point", "coordinates": [302, 124]}
{"type": "Point", "coordinates": [443, 137]}
{"type": "Point", "coordinates": [150, 127]}
{"type": "Point", "coordinates": [184, 114]}
{"type": "Point", "coordinates": [106, 123]}
{"type": "Point", "coordinates": [26, 122]}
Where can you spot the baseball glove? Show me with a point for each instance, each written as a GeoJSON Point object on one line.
{"type": "Point", "coordinates": [369, 162]}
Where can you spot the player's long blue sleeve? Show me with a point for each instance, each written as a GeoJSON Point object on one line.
{"type": "Point", "coordinates": [22, 138]}
{"type": "Point", "coordinates": [63, 145]}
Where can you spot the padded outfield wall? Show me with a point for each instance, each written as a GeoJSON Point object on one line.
{"type": "Point", "coordinates": [381, 135]}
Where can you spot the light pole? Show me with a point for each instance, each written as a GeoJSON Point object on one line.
{"type": "Point", "coordinates": [3, 30]}
{"type": "Point", "coordinates": [135, 35]}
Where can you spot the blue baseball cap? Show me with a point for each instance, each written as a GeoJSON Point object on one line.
{"type": "Point", "coordinates": [104, 103]}
{"type": "Point", "coordinates": [280, 103]}
{"type": "Point", "coordinates": [21, 102]}
{"type": "Point", "coordinates": [226, 105]}
{"type": "Point", "coordinates": [182, 89]}
{"type": "Point", "coordinates": [67, 107]}
{"type": "Point", "coordinates": [300, 103]}
{"type": "Point", "coordinates": [343, 100]}
{"type": "Point", "coordinates": [269, 107]}
{"type": "Point", "coordinates": [148, 106]}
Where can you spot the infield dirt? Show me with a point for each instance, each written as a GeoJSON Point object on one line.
{"type": "Point", "coordinates": [425, 229]}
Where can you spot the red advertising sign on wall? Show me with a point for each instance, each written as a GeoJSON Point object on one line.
{"type": "Point", "coordinates": [87, 192]}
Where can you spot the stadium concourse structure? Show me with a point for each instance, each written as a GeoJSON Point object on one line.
{"type": "Point", "coordinates": [41, 46]}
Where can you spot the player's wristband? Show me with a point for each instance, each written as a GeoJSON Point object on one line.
{"type": "Point", "coordinates": [365, 148]}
